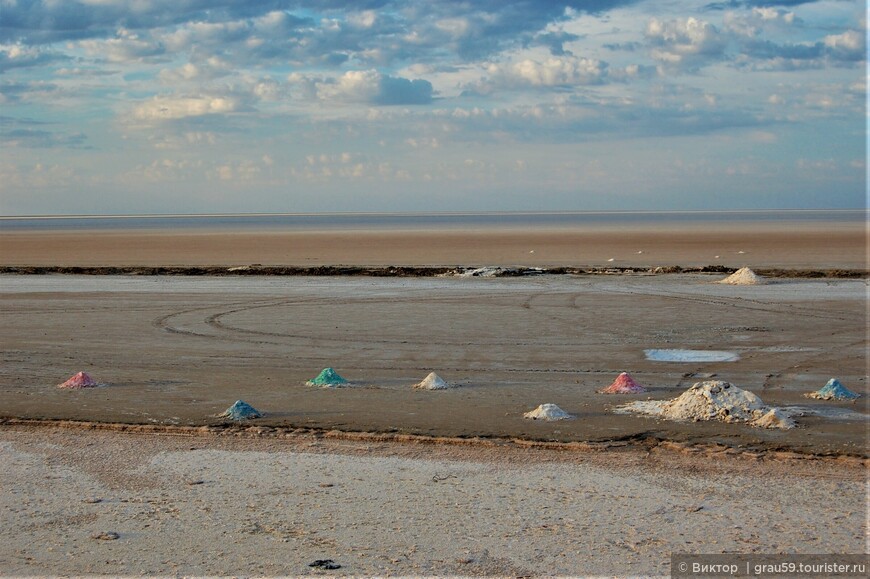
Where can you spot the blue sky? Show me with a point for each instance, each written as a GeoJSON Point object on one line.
{"type": "Point", "coordinates": [180, 106]}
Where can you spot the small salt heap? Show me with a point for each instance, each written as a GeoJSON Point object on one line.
{"type": "Point", "coordinates": [744, 276]}
{"type": "Point", "coordinates": [714, 400]}
{"type": "Point", "coordinates": [328, 378]}
{"type": "Point", "coordinates": [79, 381]}
{"type": "Point", "coordinates": [547, 412]}
{"type": "Point", "coordinates": [833, 390]}
{"type": "Point", "coordinates": [241, 411]}
{"type": "Point", "coordinates": [624, 384]}
{"type": "Point", "coordinates": [432, 382]}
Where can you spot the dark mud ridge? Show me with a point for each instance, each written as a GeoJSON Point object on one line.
{"type": "Point", "coordinates": [644, 441]}
{"type": "Point", "coordinates": [414, 271]}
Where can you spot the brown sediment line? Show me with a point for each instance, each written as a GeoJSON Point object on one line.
{"type": "Point", "coordinates": [413, 271]}
{"type": "Point", "coordinates": [295, 434]}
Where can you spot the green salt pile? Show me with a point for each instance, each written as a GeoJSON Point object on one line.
{"type": "Point", "coordinates": [327, 377]}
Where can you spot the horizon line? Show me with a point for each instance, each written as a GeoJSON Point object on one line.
{"type": "Point", "coordinates": [421, 213]}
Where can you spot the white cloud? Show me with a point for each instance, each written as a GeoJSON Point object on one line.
{"type": "Point", "coordinates": [364, 87]}
{"type": "Point", "coordinates": [684, 42]}
{"type": "Point", "coordinates": [171, 107]}
{"type": "Point", "coordinates": [127, 46]}
{"type": "Point", "coordinates": [850, 43]}
{"type": "Point", "coordinates": [556, 71]}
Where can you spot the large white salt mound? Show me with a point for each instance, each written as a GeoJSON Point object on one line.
{"type": "Point", "coordinates": [715, 400]}
{"type": "Point", "coordinates": [432, 382]}
{"type": "Point", "coordinates": [547, 412]}
{"type": "Point", "coordinates": [744, 276]}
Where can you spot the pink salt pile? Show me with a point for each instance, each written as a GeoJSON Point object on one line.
{"type": "Point", "coordinates": [624, 384]}
{"type": "Point", "coordinates": [80, 380]}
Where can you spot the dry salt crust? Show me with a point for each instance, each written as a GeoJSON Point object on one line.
{"type": "Point", "coordinates": [216, 506]}
{"type": "Point", "coordinates": [714, 400]}
{"type": "Point", "coordinates": [547, 412]}
{"type": "Point", "coordinates": [433, 382]}
{"type": "Point", "coordinates": [744, 276]}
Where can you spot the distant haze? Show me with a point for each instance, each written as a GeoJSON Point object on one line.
{"type": "Point", "coordinates": [189, 106]}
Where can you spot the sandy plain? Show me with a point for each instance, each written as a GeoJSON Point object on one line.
{"type": "Point", "coordinates": [602, 494]}
{"type": "Point", "coordinates": [823, 244]}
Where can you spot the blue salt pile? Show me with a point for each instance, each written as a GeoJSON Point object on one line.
{"type": "Point", "coordinates": [833, 390]}
{"type": "Point", "coordinates": [327, 377]}
{"type": "Point", "coordinates": [241, 411]}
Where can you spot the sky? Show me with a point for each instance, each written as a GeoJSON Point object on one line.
{"type": "Point", "coordinates": [195, 106]}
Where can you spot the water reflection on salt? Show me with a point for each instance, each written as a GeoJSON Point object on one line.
{"type": "Point", "coordinates": [677, 355]}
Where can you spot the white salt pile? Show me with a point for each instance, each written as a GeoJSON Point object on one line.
{"type": "Point", "coordinates": [714, 400]}
{"type": "Point", "coordinates": [547, 412]}
{"type": "Point", "coordinates": [744, 276]}
{"type": "Point", "coordinates": [433, 382]}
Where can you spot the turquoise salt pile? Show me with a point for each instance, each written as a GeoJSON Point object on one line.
{"type": "Point", "coordinates": [833, 390]}
{"type": "Point", "coordinates": [327, 378]}
{"type": "Point", "coordinates": [241, 410]}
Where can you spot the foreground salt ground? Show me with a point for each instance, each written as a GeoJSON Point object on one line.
{"type": "Point", "coordinates": [84, 502]}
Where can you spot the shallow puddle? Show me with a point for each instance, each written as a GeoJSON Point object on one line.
{"type": "Point", "coordinates": [691, 356]}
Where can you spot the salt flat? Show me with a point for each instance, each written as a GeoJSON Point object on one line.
{"type": "Point", "coordinates": [178, 351]}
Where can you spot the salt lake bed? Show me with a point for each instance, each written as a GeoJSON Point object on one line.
{"type": "Point", "coordinates": [177, 351]}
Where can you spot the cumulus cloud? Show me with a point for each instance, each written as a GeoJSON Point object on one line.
{"type": "Point", "coordinates": [756, 21]}
{"type": "Point", "coordinates": [850, 45]}
{"type": "Point", "coordinates": [684, 42]}
{"type": "Point", "coordinates": [22, 56]}
{"type": "Point", "coordinates": [366, 87]}
{"type": "Point", "coordinates": [164, 108]}
{"type": "Point", "coordinates": [564, 71]}
{"type": "Point", "coordinates": [839, 50]}
{"type": "Point", "coordinates": [125, 47]}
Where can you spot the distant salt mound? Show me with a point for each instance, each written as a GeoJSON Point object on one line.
{"type": "Point", "coordinates": [486, 271]}
{"type": "Point", "coordinates": [833, 390]}
{"type": "Point", "coordinates": [547, 412]}
{"type": "Point", "coordinates": [433, 382]}
{"type": "Point", "coordinates": [328, 378]}
{"type": "Point", "coordinates": [714, 400]}
{"type": "Point", "coordinates": [79, 381]}
{"type": "Point", "coordinates": [241, 411]}
{"type": "Point", "coordinates": [624, 384]}
{"type": "Point", "coordinates": [744, 276]}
